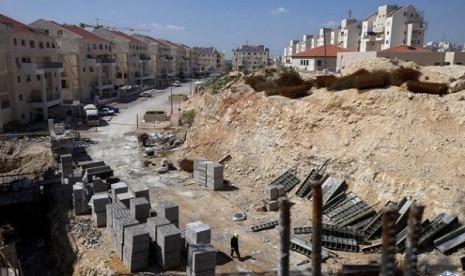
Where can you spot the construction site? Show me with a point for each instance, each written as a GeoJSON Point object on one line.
{"type": "Point", "coordinates": [357, 173]}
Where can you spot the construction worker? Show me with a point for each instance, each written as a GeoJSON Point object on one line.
{"type": "Point", "coordinates": [235, 246]}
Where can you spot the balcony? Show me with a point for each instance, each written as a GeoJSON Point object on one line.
{"type": "Point", "coordinates": [144, 58]}
{"type": "Point", "coordinates": [378, 29]}
{"type": "Point", "coordinates": [52, 98]}
{"type": "Point", "coordinates": [106, 60]}
{"type": "Point", "coordinates": [41, 67]}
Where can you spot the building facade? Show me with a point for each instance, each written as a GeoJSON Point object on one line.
{"type": "Point", "coordinates": [250, 57]}
{"type": "Point", "coordinates": [88, 60]}
{"type": "Point", "coordinates": [317, 59]}
{"type": "Point", "coordinates": [30, 81]}
{"type": "Point", "coordinates": [349, 36]}
{"type": "Point", "coordinates": [208, 60]}
{"type": "Point", "coordinates": [132, 59]}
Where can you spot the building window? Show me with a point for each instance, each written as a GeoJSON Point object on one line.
{"type": "Point", "coordinates": [83, 69]}
{"type": "Point", "coordinates": [100, 46]}
{"type": "Point", "coordinates": [15, 42]}
{"type": "Point", "coordinates": [28, 78]}
{"type": "Point", "coordinates": [38, 77]}
{"type": "Point", "coordinates": [94, 46]}
{"type": "Point", "coordinates": [48, 44]}
{"type": "Point", "coordinates": [19, 79]}
{"type": "Point", "coordinates": [318, 63]}
{"type": "Point", "coordinates": [41, 45]}
{"type": "Point", "coordinates": [387, 41]}
{"type": "Point", "coordinates": [5, 104]}
{"type": "Point", "coordinates": [91, 69]}
{"type": "Point", "coordinates": [23, 42]}
{"type": "Point", "coordinates": [53, 44]}
{"type": "Point", "coordinates": [21, 97]}
{"type": "Point", "coordinates": [32, 44]}
{"type": "Point", "coordinates": [59, 32]}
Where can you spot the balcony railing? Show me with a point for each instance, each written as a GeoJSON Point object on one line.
{"type": "Point", "coordinates": [145, 57]}
{"type": "Point", "coordinates": [49, 65]}
{"type": "Point", "coordinates": [106, 60]}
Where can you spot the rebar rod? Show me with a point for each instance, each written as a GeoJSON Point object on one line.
{"type": "Point", "coordinates": [284, 235]}
{"type": "Point", "coordinates": [317, 225]}
{"type": "Point", "coordinates": [388, 265]}
{"type": "Point", "coordinates": [413, 234]}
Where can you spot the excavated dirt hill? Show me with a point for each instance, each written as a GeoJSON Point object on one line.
{"type": "Point", "coordinates": [25, 156]}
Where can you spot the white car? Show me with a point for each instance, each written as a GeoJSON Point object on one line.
{"type": "Point", "coordinates": [146, 94]}
{"type": "Point", "coordinates": [176, 83]}
{"type": "Point", "coordinates": [104, 111]}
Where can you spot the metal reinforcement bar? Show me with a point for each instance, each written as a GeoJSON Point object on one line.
{"type": "Point", "coordinates": [413, 232]}
{"type": "Point", "coordinates": [388, 262]}
{"type": "Point", "coordinates": [305, 187]}
{"type": "Point", "coordinates": [356, 270]}
{"type": "Point", "coordinates": [364, 213]}
{"type": "Point", "coordinates": [357, 207]}
{"type": "Point", "coordinates": [374, 247]}
{"type": "Point", "coordinates": [337, 243]}
{"type": "Point", "coordinates": [373, 227]}
{"type": "Point", "coordinates": [333, 230]}
{"type": "Point", "coordinates": [305, 248]}
{"type": "Point", "coordinates": [288, 180]}
{"type": "Point", "coordinates": [351, 200]}
{"type": "Point", "coordinates": [438, 226]}
{"type": "Point", "coordinates": [264, 226]}
{"type": "Point", "coordinates": [334, 202]}
{"type": "Point", "coordinates": [451, 241]}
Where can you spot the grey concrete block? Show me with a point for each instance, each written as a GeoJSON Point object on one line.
{"type": "Point", "coordinates": [139, 190]}
{"type": "Point", "coordinates": [99, 218]}
{"type": "Point", "coordinates": [136, 238]}
{"type": "Point", "coordinates": [189, 272]}
{"type": "Point", "coordinates": [215, 184]}
{"type": "Point", "coordinates": [79, 192]}
{"type": "Point", "coordinates": [202, 166]}
{"type": "Point", "coordinates": [201, 257]}
{"type": "Point", "coordinates": [118, 214]}
{"type": "Point", "coordinates": [140, 209]}
{"type": "Point", "coordinates": [169, 210]}
{"type": "Point", "coordinates": [199, 178]}
{"type": "Point", "coordinates": [169, 238]}
{"type": "Point", "coordinates": [110, 208]}
{"type": "Point", "coordinates": [281, 190]}
{"type": "Point", "coordinates": [272, 205]}
{"type": "Point", "coordinates": [153, 223]}
{"type": "Point", "coordinates": [117, 246]}
{"type": "Point", "coordinates": [99, 185]}
{"type": "Point", "coordinates": [124, 198]}
{"type": "Point", "coordinates": [121, 224]}
{"type": "Point", "coordinates": [215, 170]}
{"type": "Point", "coordinates": [118, 188]}
{"type": "Point", "coordinates": [197, 161]}
{"type": "Point", "coordinates": [135, 262]}
{"type": "Point", "coordinates": [80, 207]}
{"type": "Point", "coordinates": [272, 192]}
{"type": "Point", "coordinates": [167, 260]}
{"type": "Point", "coordinates": [99, 202]}
{"type": "Point", "coordinates": [198, 233]}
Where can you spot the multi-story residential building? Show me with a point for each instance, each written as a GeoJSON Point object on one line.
{"type": "Point", "coordinates": [444, 46]}
{"type": "Point", "coordinates": [392, 25]}
{"type": "Point", "coordinates": [30, 81]}
{"type": "Point", "coordinates": [250, 57]}
{"type": "Point", "coordinates": [208, 60]}
{"type": "Point", "coordinates": [160, 58]}
{"type": "Point", "coordinates": [306, 43]}
{"type": "Point", "coordinates": [88, 61]}
{"type": "Point", "coordinates": [291, 50]}
{"type": "Point", "coordinates": [323, 37]}
{"type": "Point", "coordinates": [132, 60]}
{"type": "Point", "coordinates": [349, 36]}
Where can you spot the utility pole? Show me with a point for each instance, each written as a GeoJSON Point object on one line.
{"type": "Point", "coordinates": [324, 43]}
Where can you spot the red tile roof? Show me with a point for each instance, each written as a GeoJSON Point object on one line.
{"type": "Point", "coordinates": [126, 36]}
{"type": "Point", "coordinates": [171, 43]}
{"type": "Point", "coordinates": [9, 23]}
{"type": "Point", "coordinates": [83, 33]}
{"type": "Point", "coordinates": [155, 40]}
{"type": "Point", "coordinates": [402, 48]}
{"type": "Point", "coordinates": [331, 51]}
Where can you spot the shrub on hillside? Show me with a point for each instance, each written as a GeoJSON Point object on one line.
{"type": "Point", "coordinates": [377, 79]}
{"type": "Point", "coordinates": [402, 74]}
{"type": "Point", "coordinates": [260, 83]}
{"type": "Point", "coordinates": [289, 78]}
{"type": "Point", "coordinates": [296, 91]}
{"type": "Point", "coordinates": [427, 87]}
{"type": "Point", "coordinates": [187, 117]}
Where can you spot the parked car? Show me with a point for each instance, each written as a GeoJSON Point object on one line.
{"type": "Point", "coordinates": [176, 83]}
{"type": "Point", "coordinates": [114, 108]}
{"type": "Point", "coordinates": [146, 94]}
{"type": "Point", "coordinates": [105, 111]}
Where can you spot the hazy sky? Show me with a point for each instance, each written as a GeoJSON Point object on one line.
{"type": "Point", "coordinates": [226, 24]}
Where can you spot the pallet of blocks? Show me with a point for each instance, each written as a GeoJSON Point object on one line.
{"type": "Point", "coordinates": [168, 246]}
{"type": "Point", "coordinates": [136, 247]}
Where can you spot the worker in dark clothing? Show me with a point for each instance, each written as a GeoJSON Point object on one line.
{"type": "Point", "coordinates": [235, 246]}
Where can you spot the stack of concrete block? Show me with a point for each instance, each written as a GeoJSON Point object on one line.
{"type": "Point", "coordinates": [168, 246]}
{"type": "Point", "coordinates": [99, 186]}
{"type": "Point", "coordinates": [98, 203]}
{"type": "Point", "coordinates": [201, 260]}
{"type": "Point", "coordinates": [66, 166]}
{"type": "Point", "coordinates": [111, 208]}
{"type": "Point", "coordinates": [124, 198]}
{"type": "Point", "coordinates": [118, 188]}
{"type": "Point", "coordinates": [140, 191]}
{"type": "Point", "coordinates": [119, 227]}
{"type": "Point", "coordinates": [198, 233]}
{"type": "Point", "coordinates": [140, 209]}
{"type": "Point", "coordinates": [79, 199]}
{"type": "Point", "coordinates": [169, 210]}
{"type": "Point", "coordinates": [102, 172]}
{"type": "Point", "coordinates": [153, 223]}
{"type": "Point", "coordinates": [136, 247]}
{"type": "Point", "coordinates": [272, 203]}
{"type": "Point", "coordinates": [116, 215]}
{"type": "Point", "coordinates": [215, 178]}
{"type": "Point", "coordinates": [200, 171]}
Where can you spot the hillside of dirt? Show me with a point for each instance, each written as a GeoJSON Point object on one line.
{"type": "Point", "coordinates": [386, 143]}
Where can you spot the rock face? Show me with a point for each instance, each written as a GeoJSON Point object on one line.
{"type": "Point", "coordinates": [386, 143]}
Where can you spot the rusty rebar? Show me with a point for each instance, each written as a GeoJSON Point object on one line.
{"type": "Point", "coordinates": [388, 266]}
{"type": "Point", "coordinates": [284, 235]}
{"type": "Point", "coordinates": [317, 200]}
{"type": "Point", "coordinates": [413, 234]}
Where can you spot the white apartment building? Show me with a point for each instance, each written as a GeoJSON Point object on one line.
{"type": "Point", "coordinates": [350, 33]}
{"type": "Point", "coordinates": [290, 50]}
{"type": "Point", "coordinates": [88, 61]}
{"type": "Point", "coordinates": [208, 60]}
{"type": "Point", "coordinates": [307, 42]}
{"type": "Point", "coordinates": [132, 60]}
{"type": "Point", "coordinates": [250, 57]}
{"type": "Point", "coordinates": [30, 81]}
{"type": "Point", "coordinates": [392, 25]}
